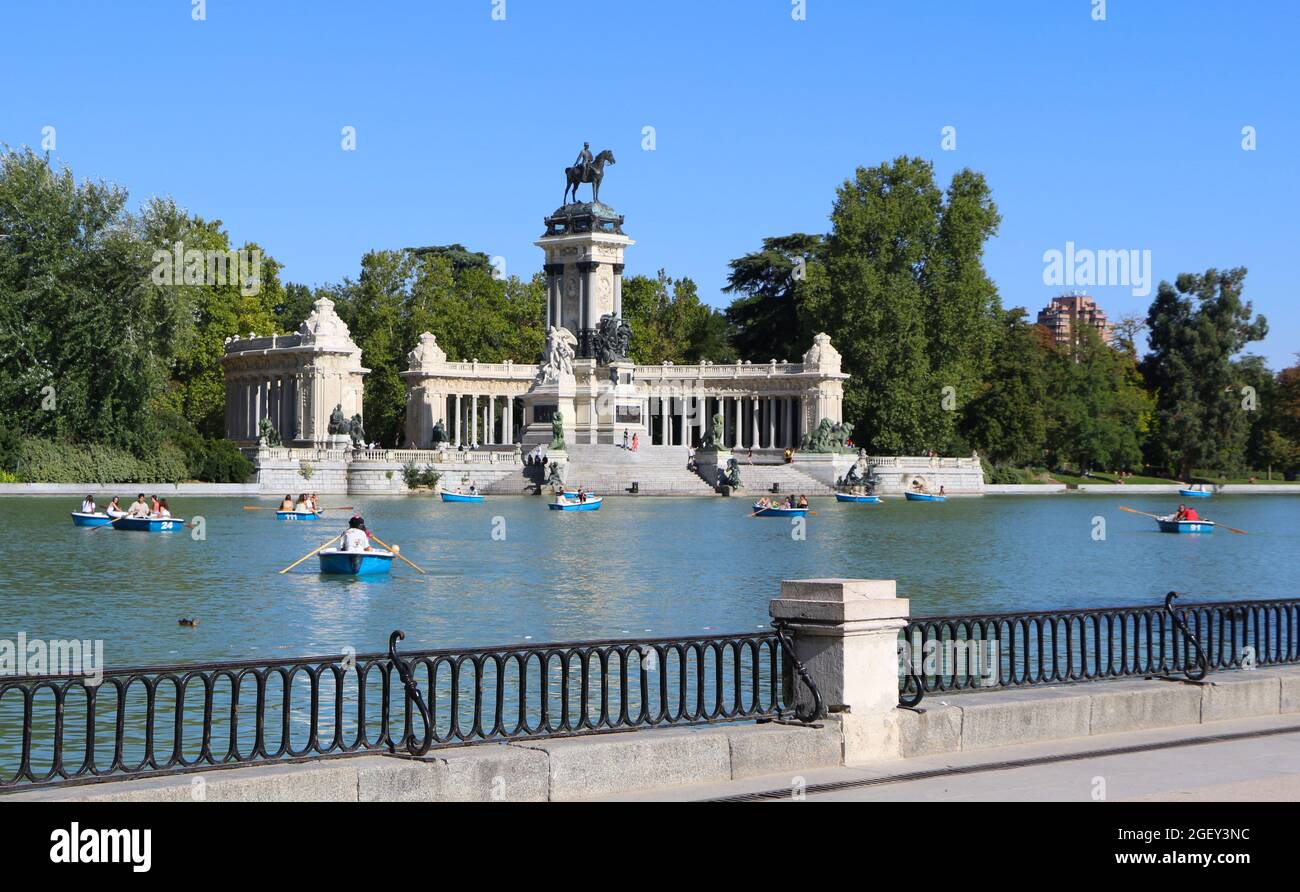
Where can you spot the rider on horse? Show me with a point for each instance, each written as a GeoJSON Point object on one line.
{"type": "Point", "coordinates": [584, 163]}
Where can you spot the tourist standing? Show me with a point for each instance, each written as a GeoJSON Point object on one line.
{"type": "Point", "coordinates": [625, 439]}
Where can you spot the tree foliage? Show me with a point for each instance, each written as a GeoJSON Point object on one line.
{"type": "Point", "coordinates": [1197, 327]}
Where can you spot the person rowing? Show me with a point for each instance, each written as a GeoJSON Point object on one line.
{"type": "Point", "coordinates": [1185, 513]}
{"type": "Point", "coordinates": [139, 508]}
{"type": "Point", "coordinates": [803, 501]}
{"type": "Point", "coordinates": [356, 537]}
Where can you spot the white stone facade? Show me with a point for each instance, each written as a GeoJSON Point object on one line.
{"type": "Point", "coordinates": [295, 380]}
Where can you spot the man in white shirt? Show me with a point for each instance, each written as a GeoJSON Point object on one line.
{"type": "Point", "coordinates": [139, 508]}
{"type": "Point", "coordinates": [355, 538]}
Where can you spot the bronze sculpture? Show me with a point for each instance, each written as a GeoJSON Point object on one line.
{"type": "Point", "coordinates": [587, 170]}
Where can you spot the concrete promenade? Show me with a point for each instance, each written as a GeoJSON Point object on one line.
{"type": "Point", "coordinates": [1247, 760]}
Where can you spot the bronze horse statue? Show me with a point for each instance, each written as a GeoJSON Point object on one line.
{"type": "Point", "coordinates": [594, 173]}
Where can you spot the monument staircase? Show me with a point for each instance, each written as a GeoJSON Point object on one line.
{"type": "Point", "coordinates": [657, 470]}
{"type": "Point", "coordinates": [757, 479]}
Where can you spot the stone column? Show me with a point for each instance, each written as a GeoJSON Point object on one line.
{"type": "Point", "coordinates": [507, 422]}
{"type": "Point", "coordinates": [771, 421]}
{"type": "Point", "coordinates": [683, 427]}
{"type": "Point", "coordinates": [753, 422]}
{"type": "Point", "coordinates": [554, 286]}
{"type": "Point", "coordinates": [845, 633]}
{"type": "Point", "coordinates": [457, 434]}
{"type": "Point", "coordinates": [586, 305]}
{"type": "Point", "coordinates": [618, 289]}
{"type": "Point", "coordinates": [738, 419]}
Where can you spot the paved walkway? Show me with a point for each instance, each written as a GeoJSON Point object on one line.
{"type": "Point", "coordinates": [1171, 764]}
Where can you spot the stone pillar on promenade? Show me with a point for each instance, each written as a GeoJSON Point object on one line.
{"type": "Point", "coordinates": [845, 633]}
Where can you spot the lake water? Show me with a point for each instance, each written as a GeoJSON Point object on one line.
{"type": "Point", "coordinates": [638, 567]}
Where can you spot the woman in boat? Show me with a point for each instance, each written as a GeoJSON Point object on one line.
{"type": "Point", "coordinates": [286, 504]}
{"type": "Point", "coordinates": [356, 537]}
{"type": "Point", "coordinates": [163, 509]}
{"type": "Point", "coordinates": [313, 502]}
{"type": "Point", "coordinates": [803, 501]}
{"type": "Point", "coordinates": [301, 504]}
{"type": "Point", "coordinates": [88, 504]}
{"type": "Point", "coordinates": [582, 494]}
{"type": "Point", "coordinates": [153, 504]}
{"type": "Point", "coordinates": [114, 509]}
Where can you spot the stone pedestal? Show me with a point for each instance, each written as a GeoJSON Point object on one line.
{"type": "Point", "coordinates": [845, 633]}
{"type": "Point", "coordinates": [710, 464]}
{"type": "Point", "coordinates": [540, 405]}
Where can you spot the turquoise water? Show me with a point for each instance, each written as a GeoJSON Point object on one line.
{"type": "Point", "coordinates": [639, 567]}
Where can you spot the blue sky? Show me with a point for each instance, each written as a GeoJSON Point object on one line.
{"type": "Point", "coordinates": [1115, 134]}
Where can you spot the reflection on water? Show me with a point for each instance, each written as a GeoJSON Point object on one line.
{"type": "Point", "coordinates": [638, 567]}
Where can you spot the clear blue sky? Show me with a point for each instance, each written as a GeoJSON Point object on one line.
{"type": "Point", "coordinates": [1121, 134]}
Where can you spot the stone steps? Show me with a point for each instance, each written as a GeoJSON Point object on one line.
{"type": "Point", "coordinates": [757, 479]}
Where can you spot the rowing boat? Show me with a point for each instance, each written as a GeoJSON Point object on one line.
{"type": "Point", "coordinates": [297, 515]}
{"type": "Point", "coordinates": [89, 519]}
{"type": "Point", "coordinates": [778, 511]}
{"type": "Point", "coordinates": [923, 497]}
{"type": "Point", "coordinates": [563, 504]}
{"type": "Point", "coordinates": [850, 497]}
{"type": "Point", "coordinates": [334, 561]}
{"type": "Point", "coordinates": [1195, 493]}
{"type": "Point", "coordinates": [1169, 525]}
{"type": "Point", "coordinates": [459, 496]}
{"type": "Point", "coordinates": [149, 524]}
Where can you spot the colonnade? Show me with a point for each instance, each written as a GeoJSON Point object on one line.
{"type": "Point", "coordinates": [249, 399]}
{"type": "Point", "coordinates": [772, 422]}
{"type": "Point", "coordinates": [481, 419]}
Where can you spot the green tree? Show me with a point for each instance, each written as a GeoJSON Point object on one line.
{"type": "Point", "coordinates": [1197, 326]}
{"type": "Point", "coordinates": [1097, 410]}
{"type": "Point", "coordinates": [1007, 420]}
{"type": "Point", "coordinates": [772, 284]}
{"type": "Point", "coordinates": [911, 307]}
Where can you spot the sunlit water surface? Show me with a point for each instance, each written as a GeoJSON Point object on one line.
{"type": "Point", "coordinates": [638, 567]}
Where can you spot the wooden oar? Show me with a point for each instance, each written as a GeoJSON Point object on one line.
{"type": "Point", "coordinates": [336, 508]}
{"type": "Point", "coordinates": [395, 551]}
{"type": "Point", "coordinates": [1143, 513]}
{"type": "Point", "coordinates": [109, 524]}
{"type": "Point", "coordinates": [1230, 529]}
{"type": "Point", "coordinates": [260, 508]}
{"type": "Point", "coordinates": [312, 552]}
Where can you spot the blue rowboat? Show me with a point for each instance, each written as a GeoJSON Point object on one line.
{"type": "Point", "coordinates": [149, 524]}
{"type": "Point", "coordinates": [774, 511]}
{"type": "Point", "coordinates": [563, 504]}
{"type": "Point", "coordinates": [355, 563]}
{"type": "Point", "coordinates": [297, 515]}
{"type": "Point", "coordinates": [459, 496]}
{"type": "Point", "coordinates": [1168, 525]}
{"type": "Point", "coordinates": [1195, 493]}
{"type": "Point", "coordinates": [849, 497]}
{"type": "Point", "coordinates": [923, 497]}
{"type": "Point", "coordinates": [84, 519]}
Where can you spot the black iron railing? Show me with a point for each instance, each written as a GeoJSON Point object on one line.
{"type": "Point", "coordinates": [953, 653]}
{"type": "Point", "coordinates": [164, 719]}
